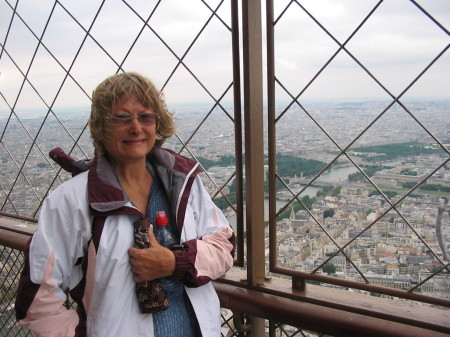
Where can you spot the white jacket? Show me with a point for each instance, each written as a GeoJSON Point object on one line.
{"type": "Point", "coordinates": [68, 254]}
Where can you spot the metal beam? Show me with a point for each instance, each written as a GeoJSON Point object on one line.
{"type": "Point", "coordinates": [254, 147]}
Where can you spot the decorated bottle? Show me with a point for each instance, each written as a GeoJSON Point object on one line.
{"type": "Point", "coordinates": [163, 234]}
{"type": "Point", "coordinates": [165, 238]}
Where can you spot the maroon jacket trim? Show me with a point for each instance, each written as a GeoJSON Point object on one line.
{"type": "Point", "coordinates": [26, 288]}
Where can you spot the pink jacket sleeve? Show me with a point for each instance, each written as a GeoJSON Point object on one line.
{"type": "Point", "coordinates": [208, 241]}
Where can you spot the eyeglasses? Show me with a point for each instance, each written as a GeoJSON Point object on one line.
{"type": "Point", "coordinates": [124, 118]}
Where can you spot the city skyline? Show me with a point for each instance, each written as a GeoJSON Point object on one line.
{"type": "Point", "coordinates": [402, 246]}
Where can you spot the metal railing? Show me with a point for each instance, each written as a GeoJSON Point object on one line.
{"type": "Point", "coordinates": [41, 109]}
{"type": "Point", "coordinates": [286, 312]}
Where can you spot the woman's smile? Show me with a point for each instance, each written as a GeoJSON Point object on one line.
{"type": "Point", "coordinates": [135, 141]}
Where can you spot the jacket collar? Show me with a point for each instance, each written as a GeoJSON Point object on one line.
{"type": "Point", "coordinates": [173, 161]}
{"type": "Point", "coordinates": [105, 194]}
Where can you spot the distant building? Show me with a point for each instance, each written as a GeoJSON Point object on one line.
{"type": "Point", "coordinates": [390, 281]}
{"type": "Point", "coordinates": [298, 219]}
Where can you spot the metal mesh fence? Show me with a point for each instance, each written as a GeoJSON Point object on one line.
{"type": "Point", "coordinates": [11, 263]}
{"type": "Point", "coordinates": [368, 201]}
{"type": "Point", "coordinates": [54, 54]}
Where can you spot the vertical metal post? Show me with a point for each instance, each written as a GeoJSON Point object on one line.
{"type": "Point", "coordinates": [238, 133]}
{"type": "Point", "coordinates": [254, 140]}
{"type": "Point", "coordinates": [254, 147]}
{"type": "Point", "coordinates": [271, 129]}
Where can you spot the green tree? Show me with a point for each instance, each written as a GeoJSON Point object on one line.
{"type": "Point", "coordinates": [224, 161]}
{"type": "Point", "coordinates": [408, 172]}
{"type": "Point", "coordinates": [329, 268]}
{"type": "Point", "coordinates": [430, 187]}
{"type": "Point", "coordinates": [329, 213]}
{"type": "Point", "coordinates": [206, 163]}
{"type": "Point", "coordinates": [408, 184]}
{"type": "Point", "coordinates": [336, 191]}
{"type": "Point", "coordinates": [324, 191]}
{"type": "Point", "coordinates": [391, 151]}
{"type": "Point", "coordinates": [289, 166]}
{"type": "Point", "coordinates": [370, 171]}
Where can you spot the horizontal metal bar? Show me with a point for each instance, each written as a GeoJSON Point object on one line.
{"type": "Point", "coordinates": [13, 240]}
{"type": "Point", "coordinates": [386, 309]}
{"type": "Point", "coordinates": [363, 286]}
{"type": "Point", "coordinates": [9, 223]}
{"type": "Point", "coordinates": [314, 317]}
{"type": "Point", "coordinates": [18, 217]}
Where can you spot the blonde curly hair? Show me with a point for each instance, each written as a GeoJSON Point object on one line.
{"type": "Point", "coordinates": [108, 93]}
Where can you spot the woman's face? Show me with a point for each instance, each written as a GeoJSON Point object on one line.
{"type": "Point", "coordinates": [129, 140]}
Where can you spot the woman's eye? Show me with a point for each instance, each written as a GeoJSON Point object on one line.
{"type": "Point", "coordinates": [146, 117]}
{"type": "Point", "coordinates": [123, 116]}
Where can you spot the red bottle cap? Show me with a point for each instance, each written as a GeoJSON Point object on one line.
{"type": "Point", "coordinates": [161, 219]}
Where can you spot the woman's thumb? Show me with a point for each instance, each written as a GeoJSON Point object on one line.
{"type": "Point", "coordinates": [152, 237]}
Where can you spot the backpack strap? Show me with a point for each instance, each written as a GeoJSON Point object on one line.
{"type": "Point", "coordinates": [75, 167]}
{"type": "Point", "coordinates": [67, 163]}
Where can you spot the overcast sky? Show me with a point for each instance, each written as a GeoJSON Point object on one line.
{"type": "Point", "coordinates": [395, 45]}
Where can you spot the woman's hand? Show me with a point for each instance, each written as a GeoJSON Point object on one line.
{"type": "Point", "coordinates": [151, 263]}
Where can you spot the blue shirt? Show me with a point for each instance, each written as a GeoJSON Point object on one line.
{"type": "Point", "coordinates": [179, 319]}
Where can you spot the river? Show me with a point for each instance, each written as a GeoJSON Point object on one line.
{"type": "Point", "coordinates": [334, 177]}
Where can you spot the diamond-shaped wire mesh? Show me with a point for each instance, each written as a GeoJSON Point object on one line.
{"type": "Point", "coordinates": [363, 188]}
{"type": "Point", "coordinates": [11, 263]}
{"type": "Point", "coordinates": [53, 56]}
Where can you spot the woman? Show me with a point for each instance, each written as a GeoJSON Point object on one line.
{"type": "Point", "coordinates": [85, 236]}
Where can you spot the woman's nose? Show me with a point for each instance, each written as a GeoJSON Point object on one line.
{"type": "Point", "coordinates": [135, 125]}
